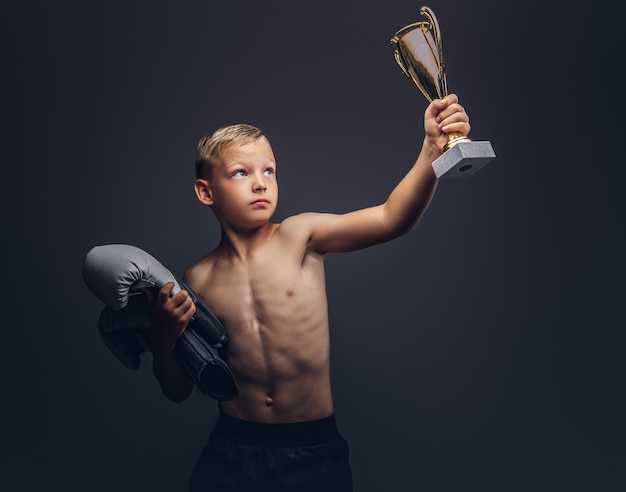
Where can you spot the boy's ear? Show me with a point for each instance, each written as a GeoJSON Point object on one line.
{"type": "Point", "coordinates": [203, 191]}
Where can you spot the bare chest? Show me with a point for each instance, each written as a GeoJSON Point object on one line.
{"type": "Point", "coordinates": [265, 292]}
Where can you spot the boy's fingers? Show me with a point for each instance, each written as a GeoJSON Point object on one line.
{"type": "Point", "coordinates": [440, 108]}
{"type": "Point", "coordinates": [435, 107]}
{"type": "Point", "coordinates": [181, 299]}
{"type": "Point", "coordinates": [451, 109]}
{"type": "Point", "coordinates": [433, 110]}
{"type": "Point", "coordinates": [451, 99]}
{"type": "Point", "coordinates": [182, 305]}
{"type": "Point", "coordinates": [456, 117]}
{"type": "Point", "coordinates": [164, 292]}
{"type": "Point", "coordinates": [190, 310]}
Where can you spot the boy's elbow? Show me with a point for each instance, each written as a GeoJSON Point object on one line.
{"type": "Point", "coordinates": [177, 395]}
{"type": "Point", "coordinates": [176, 390]}
{"type": "Point", "coordinates": [398, 226]}
{"type": "Point", "coordinates": [400, 230]}
{"type": "Point", "coordinates": [400, 222]}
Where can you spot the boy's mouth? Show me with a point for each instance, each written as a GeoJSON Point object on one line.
{"type": "Point", "coordinates": [261, 201]}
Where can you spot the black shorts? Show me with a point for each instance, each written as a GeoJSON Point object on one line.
{"type": "Point", "coordinates": [255, 457]}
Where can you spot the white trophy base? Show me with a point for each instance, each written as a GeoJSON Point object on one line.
{"type": "Point", "coordinates": [463, 159]}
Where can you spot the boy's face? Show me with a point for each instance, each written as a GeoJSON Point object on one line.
{"type": "Point", "coordinates": [242, 189]}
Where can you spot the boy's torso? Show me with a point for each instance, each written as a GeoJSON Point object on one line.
{"type": "Point", "coordinates": [273, 305]}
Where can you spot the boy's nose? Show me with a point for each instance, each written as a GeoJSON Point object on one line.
{"type": "Point", "coordinates": [259, 184]}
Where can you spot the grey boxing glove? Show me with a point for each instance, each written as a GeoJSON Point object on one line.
{"type": "Point", "coordinates": [117, 274]}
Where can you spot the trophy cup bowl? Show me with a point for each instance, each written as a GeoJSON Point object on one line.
{"type": "Point", "coordinates": [418, 51]}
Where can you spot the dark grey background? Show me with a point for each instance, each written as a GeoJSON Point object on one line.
{"type": "Point", "coordinates": [483, 352]}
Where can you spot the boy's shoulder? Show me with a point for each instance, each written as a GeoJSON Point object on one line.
{"type": "Point", "coordinates": [294, 231]}
{"type": "Point", "coordinates": [200, 270]}
{"type": "Point", "coordinates": [299, 223]}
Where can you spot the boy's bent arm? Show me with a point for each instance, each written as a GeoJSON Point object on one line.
{"type": "Point", "coordinates": [170, 316]}
{"type": "Point", "coordinates": [407, 202]}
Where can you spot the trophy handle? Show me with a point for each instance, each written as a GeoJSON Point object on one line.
{"type": "Point", "coordinates": [434, 25]}
{"type": "Point", "coordinates": [398, 56]}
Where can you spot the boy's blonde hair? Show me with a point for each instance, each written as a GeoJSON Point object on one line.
{"type": "Point", "coordinates": [211, 146]}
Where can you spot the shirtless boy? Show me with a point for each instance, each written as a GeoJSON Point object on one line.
{"type": "Point", "coordinates": [265, 281]}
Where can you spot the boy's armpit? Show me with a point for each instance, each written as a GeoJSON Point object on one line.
{"type": "Point", "coordinates": [340, 233]}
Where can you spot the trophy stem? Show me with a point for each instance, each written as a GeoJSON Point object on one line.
{"type": "Point", "coordinates": [455, 138]}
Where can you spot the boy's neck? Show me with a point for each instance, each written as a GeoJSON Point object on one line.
{"type": "Point", "coordinates": [240, 243]}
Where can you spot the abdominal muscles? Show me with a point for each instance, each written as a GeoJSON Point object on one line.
{"type": "Point", "coordinates": [281, 368]}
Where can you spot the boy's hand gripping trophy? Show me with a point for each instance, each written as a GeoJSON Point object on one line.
{"type": "Point", "coordinates": [417, 49]}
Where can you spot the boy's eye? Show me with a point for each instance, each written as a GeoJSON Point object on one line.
{"type": "Point", "coordinates": [269, 171]}
{"type": "Point", "coordinates": [239, 174]}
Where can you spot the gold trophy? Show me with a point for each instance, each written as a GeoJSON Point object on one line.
{"type": "Point", "coordinates": [417, 49]}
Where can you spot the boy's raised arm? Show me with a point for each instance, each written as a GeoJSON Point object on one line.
{"type": "Point", "coordinates": [407, 202]}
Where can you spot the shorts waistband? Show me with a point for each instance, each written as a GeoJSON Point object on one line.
{"type": "Point", "coordinates": [276, 434]}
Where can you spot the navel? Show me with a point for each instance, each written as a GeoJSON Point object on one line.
{"type": "Point", "coordinates": [269, 401]}
{"type": "Point", "coordinates": [290, 293]}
